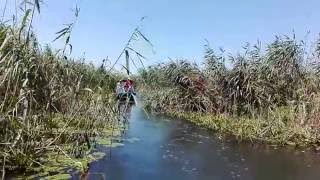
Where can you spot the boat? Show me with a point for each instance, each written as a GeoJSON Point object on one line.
{"type": "Point", "coordinates": [125, 88]}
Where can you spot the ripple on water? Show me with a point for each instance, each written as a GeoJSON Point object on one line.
{"type": "Point", "coordinates": [132, 140]}
{"type": "Point", "coordinates": [237, 161]}
{"type": "Point", "coordinates": [189, 169]}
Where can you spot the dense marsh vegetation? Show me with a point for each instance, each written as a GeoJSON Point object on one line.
{"type": "Point", "coordinates": [269, 95]}
{"type": "Point", "coordinates": [50, 105]}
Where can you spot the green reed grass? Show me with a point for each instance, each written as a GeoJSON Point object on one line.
{"type": "Point", "coordinates": [48, 101]}
{"type": "Point", "coordinates": [269, 95]}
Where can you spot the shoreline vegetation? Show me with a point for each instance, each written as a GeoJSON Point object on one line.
{"type": "Point", "coordinates": [53, 109]}
{"type": "Point", "coordinates": [269, 95]}
{"type": "Point", "coordinates": [254, 130]}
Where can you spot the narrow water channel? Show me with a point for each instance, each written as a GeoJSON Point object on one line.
{"type": "Point", "coordinates": [164, 149]}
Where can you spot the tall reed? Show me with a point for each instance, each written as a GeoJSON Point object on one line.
{"type": "Point", "coordinates": [47, 100]}
{"type": "Point", "coordinates": [254, 84]}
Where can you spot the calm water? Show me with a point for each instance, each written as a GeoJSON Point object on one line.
{"type": "Point", "coordinates": [159, 148]}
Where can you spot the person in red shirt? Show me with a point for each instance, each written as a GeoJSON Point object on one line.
{"type": "Point", "coordinates": [128, 85]}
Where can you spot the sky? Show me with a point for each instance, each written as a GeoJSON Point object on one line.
{"type": "Point", "coordinates": [177, 28]}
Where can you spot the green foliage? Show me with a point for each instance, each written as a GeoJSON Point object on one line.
{"type": "Point", "coordinates": [48, 102]}
{"type": "Point", "coordinates": [280, 128]}
{"type": "Point", "coordinates": [255, 85]}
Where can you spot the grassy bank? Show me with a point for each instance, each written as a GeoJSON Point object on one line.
{"type": "Point", "coordinates": [269, 95]}
{"type": "Point", "coordinates": [278, 127]}
{"type": "Point", "coordinates": [273, 131]}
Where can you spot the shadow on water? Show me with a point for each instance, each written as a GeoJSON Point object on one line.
{"type": "Point", "coordinates": [160, 148]}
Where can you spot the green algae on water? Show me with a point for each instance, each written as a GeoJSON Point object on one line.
{"type": "Point", "coordinates": [106, 142]}
{"type": "Point", "coordinates": [62, 166]}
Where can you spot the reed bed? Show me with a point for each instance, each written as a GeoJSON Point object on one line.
{"type": "Point", "coordinates": [49, 103]}
{"type": "Point", "coordinates": [269, 95]}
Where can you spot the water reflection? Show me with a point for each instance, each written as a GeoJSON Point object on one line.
{"type": "Point", "coordinates": [124, 110]}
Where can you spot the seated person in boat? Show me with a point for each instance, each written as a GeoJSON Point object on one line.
{"type": "Point", "coordinates": [125, 86]}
